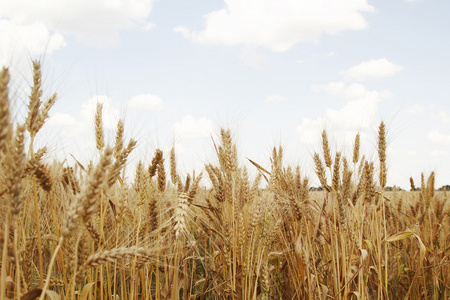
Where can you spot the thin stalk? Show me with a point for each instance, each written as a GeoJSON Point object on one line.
{"type": "Point", "coordinates": [50, 266]}
{"type": "Point", "coordinates": [4, 259]}
{"type": "Point", "coordinates": [38, 231]}
{"type": "Point", "coordinates": [380, 271]}
{"type": "Point", "coordinates": [58, 233]}
{"type": "Point", "coordinates": [103, 236]}
{"type": "Point", "coordinates": [385, 245]}
{"type": "Point", "coordinates": [16, 257]}
{"type": "Point", "coordinates": [234, 234]}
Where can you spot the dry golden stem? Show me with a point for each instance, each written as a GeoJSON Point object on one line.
{"type": "Point", "coordinates": [38, 230]}
{"type": "Point", "coordinates": [4, 260]}
{"type": "Point", "coordinates": [50, 267]}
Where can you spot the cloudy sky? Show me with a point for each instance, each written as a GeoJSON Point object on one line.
{"type": "Point", "coordinates": [276, 72]}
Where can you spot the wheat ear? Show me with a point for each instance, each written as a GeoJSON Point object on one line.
{"type": "Point", "coordinates": [173, 167]}
{"type": "Point", "coordinates": [5, 116]}
{"type": "Point", "coordinates": [119, 140]}
{"type": "Point", "coordinates": [411, 181]}
{"type": "Point", "coordinates": [101, 258]}
{"type": "Point", "coordinates": [99, 137]}
{"type": "Point", "coordinates": [382, 153]}
{"type": "Point", "coordinates": [35, 100]}
{"type": "Point", "coordinates": [356, 148]}
{"type": "Point", "coordinates": [43, 115]}
{"type": "Point", "coordinates": [121, 158]}
{"type": "Point", "coordinates": [326, 150]}
{"type": "Point", "coordinates": [155, 162]}
{"type": "Point", "coordinates": [180, 215]}
{"type": "Point", "coordinates": [161, 175]}
{"type": "Point", "coordinates": [16, 165]}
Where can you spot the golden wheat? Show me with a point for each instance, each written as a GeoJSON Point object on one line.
{"type": "Point", "coordinates": [79, 232]}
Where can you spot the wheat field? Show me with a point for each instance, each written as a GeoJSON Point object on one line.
{"type": "Point", "coordinates": [84, 232]}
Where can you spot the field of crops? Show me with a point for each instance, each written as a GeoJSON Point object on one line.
{"type": "Point", "coordinates": [84, 232]}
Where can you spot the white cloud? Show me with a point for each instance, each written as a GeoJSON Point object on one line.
{"type": "Point", "coordinates": [278, 25]}
{"type": "Point", "coordinates": [191, 128]}
{"type": "Point", "coordinates": [375, 68]}
{"type": "Point", "coordinates": [77, 133]}
{"type": "Point", "coordinates": [68, 125]}
{"type": "Point", "coordinates": [253, 59]}
{"type": "Point", "coordinates": [18, 42]}
{"type": "Point", "coordinates": [183, 30]}
{"type": "Point", "coordinates": [145, 102]}
{"type": "Point", "coordinates": [94, 21]}
{"type": "Point", "coordinates": [438, 153]}
{"type": "Point", "coordinates": [274, 98]}
{"type": "Point", "coordinates": [352, 91]}
{"type": "Point", "coordinates": [438, 137]}
{"type": "Point", "coordinates": [357, 114]}
{"type": "Point", "coordinates": [415, 109]}
{"type": "Point", "coordinates": [309, 130]}
{"type": "Point", "coordinates": [149, 26]}
{"type": "Point", "coordinates": [444, 117]}
{"type": "Point", "coordinates": [62, 120]}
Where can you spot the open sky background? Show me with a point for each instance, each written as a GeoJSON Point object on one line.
{"type": "Point", "coordinates": [276, 72]}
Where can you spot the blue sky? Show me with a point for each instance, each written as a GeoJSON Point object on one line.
{"type": "Point", "coordinates": [276, 72]}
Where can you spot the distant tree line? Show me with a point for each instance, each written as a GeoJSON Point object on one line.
{"type": "Point", "coordinates": [444, 188]}
{"type": "Point", "coordinates": [387, 188]}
